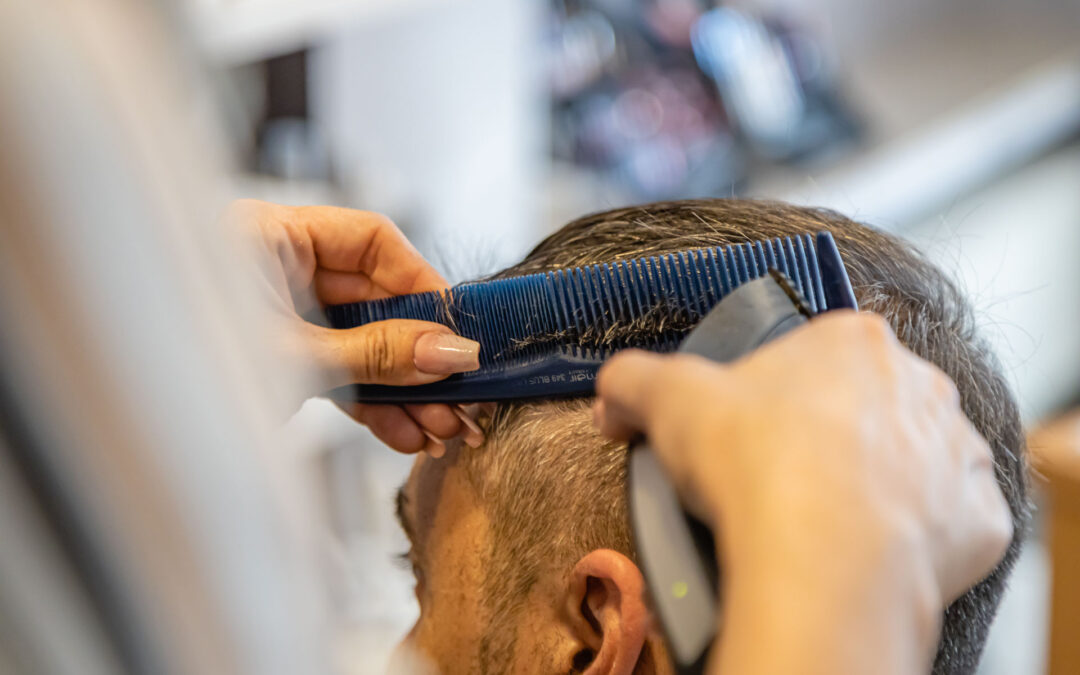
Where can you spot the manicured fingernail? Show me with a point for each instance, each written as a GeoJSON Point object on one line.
{"type": "Point", "coordinates": [470, 409]}
{"type": "Point", "coordinates": [435, 448]}
{"type": "Point", "coordinates": [474, 435]}
{"type": "Point", "coordinates": [445, 353]}
{"type": "Point", "coordinates": [468, 414]}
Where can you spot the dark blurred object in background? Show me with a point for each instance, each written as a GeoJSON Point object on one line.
{"type": "Point", "coordinates": [670, 99]}
{"type": "Point", "coordinates": [289, 143]}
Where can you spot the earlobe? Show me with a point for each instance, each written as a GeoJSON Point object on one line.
{"type": "Point", "coordinates": [610, 617]}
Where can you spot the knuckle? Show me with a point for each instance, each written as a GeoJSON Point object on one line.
{"type": "Point", "coordinates": [870, 331]}
{"type": "Point", "coordinates": [380, 219]}
{"type": "Point", "coordinates": [1003, 531]}
{"type": "Point", "coordinates": [995, 534]}
{"type": "Point", "coordinates": [1003, 534]}
{"type": "Point", "coordinates": [377, 358]}
{"type": "Point", "coordinates": [376, 221]}
{"type": "Point", "coordinates": [878, 343]}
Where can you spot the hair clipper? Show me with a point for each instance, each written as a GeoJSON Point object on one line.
{"type": "Point", "coordinates": [677, 551]}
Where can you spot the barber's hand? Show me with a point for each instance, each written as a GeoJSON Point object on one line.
{"type": "Point", "coordinates": [851, 498]}
{"type": "Point", "coordinates": [331, 256]}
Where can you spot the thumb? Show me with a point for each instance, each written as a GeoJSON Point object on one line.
{"type": "Point", "coordinates": [397, 352]}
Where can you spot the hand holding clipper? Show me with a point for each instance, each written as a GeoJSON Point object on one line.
{"type": "Point", "coordinates": [870, 507]}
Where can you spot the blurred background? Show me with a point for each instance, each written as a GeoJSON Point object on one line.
{"type": "Point", "coordinates": [481, 125]}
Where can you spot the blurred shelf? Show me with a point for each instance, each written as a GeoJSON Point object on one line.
{"type": "Point", "coordinates": [242, 31]}
{"type": "Point", "coordinates": [953, 97]}
{"type": "Point", "coordinates": [895, 183]}
{"type": "Point", "coordinates": [957, 97]}
{"type": "Point", "coordinates": [901, 180]}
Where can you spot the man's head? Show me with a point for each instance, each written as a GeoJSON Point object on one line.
{"type": "Point", "coordinates": [523, 548]}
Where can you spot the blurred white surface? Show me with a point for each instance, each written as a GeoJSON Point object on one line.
{"type": "Point", "coordinates": [901, 180]}
{"type": "Point", "coordinates": [1013, 245]}
{"type": "Point", "coordinates": [440, 122]}
{"type": "Point", "coordinates": [374, 604]}
{"type": "Point", "coordinates": [236, 31]}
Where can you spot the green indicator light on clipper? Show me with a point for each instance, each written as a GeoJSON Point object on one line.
{"type": "Point", "coordinates": [679, 589]}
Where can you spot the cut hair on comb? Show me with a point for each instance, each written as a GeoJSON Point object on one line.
{"type": "Point", "coordinates": [546, 334]}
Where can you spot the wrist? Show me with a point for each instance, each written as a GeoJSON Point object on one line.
{"type": "Point", "coordinates": [867, 608]}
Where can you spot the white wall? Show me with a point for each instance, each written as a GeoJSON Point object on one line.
{"type": "Point", "coordinates": [439, 120]}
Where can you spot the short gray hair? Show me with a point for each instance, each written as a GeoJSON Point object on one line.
{"type": "Point", "coordinates": [554, 490]}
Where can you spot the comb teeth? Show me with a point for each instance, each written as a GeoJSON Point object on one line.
{"type": "Point", "coordinates": [595, 310]}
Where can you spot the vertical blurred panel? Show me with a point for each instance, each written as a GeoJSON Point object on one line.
{"type": "Point", "coordinates": [1055, 448]}
{"type": "Point", "coordinates": [42, 603]}
{"type": "Point", "coordinates": [131, 353]}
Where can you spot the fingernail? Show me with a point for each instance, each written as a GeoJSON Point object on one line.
{"type": "Point", "coordinates": [436, 448]}
{"type": "Point", "coordinates": [444, 353]}
{"type": "Point", "coordinates": [471, 409]}
{"type": "Point", "coordinates": [474, 435]}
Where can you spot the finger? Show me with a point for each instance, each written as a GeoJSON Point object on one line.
{"type": "Point", "coordinates": [288, 260]}
{"type": "Point", "coordinates": [338, 288]}
{"type": "Point", "coordinates": [332, 287]}
{"type": "Point", "coordinates": [611, 425]}
{"type": "Point", "coordinates": [637, 389]}
{"type": "Point", "coordinates": [998, 533]}
{"type": "Point", "coordinates": [397, 352]}
{"type": "Point", "coordinates": [435, 447]}
{"type": "Point", "coordinates": [346, 240]}
{"type": "Point", "coordinates": [977, 550]}
{"type": "Point", "coordinates": [390, 424]}
{"type": "Point", "coordinates": [667, 397]}
{"type": "Point", "coordinates": [472, 434]}
{"type": "Point", "coordinates": [623, 396]}
{"type": "Point", "coordinates": [438, 418]}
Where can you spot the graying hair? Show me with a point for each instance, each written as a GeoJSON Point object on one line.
{"type": "Point", "coordinates": [554, 490]}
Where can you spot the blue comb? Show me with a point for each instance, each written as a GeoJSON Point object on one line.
{"type": "Point", "coordinates": [545, 335]}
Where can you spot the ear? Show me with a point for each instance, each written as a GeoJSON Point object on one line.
{"type": "Point", "coordinates": [609, 618]}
